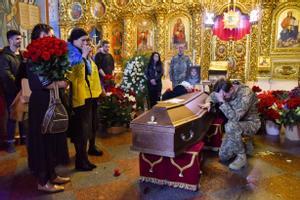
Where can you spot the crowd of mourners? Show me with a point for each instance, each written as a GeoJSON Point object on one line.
{"type": "Point", "coordinates": [26, 97]}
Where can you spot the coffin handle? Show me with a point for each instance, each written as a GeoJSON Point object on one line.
{"type": "Point", "coordinates": [187, 136]}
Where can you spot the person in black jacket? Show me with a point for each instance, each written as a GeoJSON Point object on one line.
{"type": "Point", "coordinates": [10, 61]}
{"type": "Point", "coordinates": [154, 72]}
{"type": "Point", "coordinates": [104, 60]}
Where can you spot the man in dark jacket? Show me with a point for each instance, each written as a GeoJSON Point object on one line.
{"type": "Point", "coordinates": [10, 61]}
{"type": "Point", "coordinates": [104, 59]}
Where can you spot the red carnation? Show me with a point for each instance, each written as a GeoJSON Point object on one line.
{"type": "Point", "coordinates": [256, 89]}
{"type": "Point", "coordinates": [272, 114]}
{"type": "Point", "coordinates": [293, 103]}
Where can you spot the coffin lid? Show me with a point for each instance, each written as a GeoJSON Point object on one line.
{"type": "Point", "coordinates": [174, 112]}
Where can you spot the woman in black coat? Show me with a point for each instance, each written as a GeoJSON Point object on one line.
{"type": "Point", "coordinates": [154, 72]}
{"type": "Point", "coordinates": [45, 151]}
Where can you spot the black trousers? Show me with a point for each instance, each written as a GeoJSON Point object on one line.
{"type": "Point", "coordinates": [154, 93]}
{"type": "Point", "coordinates": [84, 127]}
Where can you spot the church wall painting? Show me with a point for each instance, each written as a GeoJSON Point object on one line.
{"type": "Point", "coordinates": [145, 35]}
{"type": "Point", "coordinates": [98, 9]}
{"type": "Point", "coordinates": [8, 12]}
{"type": "Point", "coordinates": [287, 29]}
{"type": "Point", "coordinates": [264, 63]}
{"type": "Point", "coordinates": [75, 11]}
{"type": "Point", "coordinates": [179, 32]}
{"type": "Point", "coordinates": [117, 42]}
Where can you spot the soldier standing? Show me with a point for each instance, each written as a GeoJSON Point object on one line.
{"type": "Point", "coordinates": [179, 67]}
{"type": "Point", "coordinates": [238, 104]}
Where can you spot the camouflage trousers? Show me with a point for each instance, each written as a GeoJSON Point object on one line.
{"type": "Point", "coordinates": [232, 143]}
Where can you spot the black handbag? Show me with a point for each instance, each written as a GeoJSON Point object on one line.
{"type": "Point", "coordinates": [56, 119]}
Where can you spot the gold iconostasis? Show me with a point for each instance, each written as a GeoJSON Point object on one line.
{"type": "Point", "coordinates": [261, 37]}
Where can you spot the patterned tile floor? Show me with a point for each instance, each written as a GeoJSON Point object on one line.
{"type": "Point", "coordinates": [275, 169]}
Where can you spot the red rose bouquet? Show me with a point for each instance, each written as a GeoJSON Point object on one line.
{"type": "Point", "coordinates": [49, 57]}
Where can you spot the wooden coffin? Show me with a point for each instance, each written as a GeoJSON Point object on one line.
{"type": "Point", "coordinates": [171, 126]}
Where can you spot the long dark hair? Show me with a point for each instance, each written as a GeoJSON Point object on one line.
{"type": "Point", "coordinates": [151, 61]}
{"type": "Point", "coordinates": [38, 29]}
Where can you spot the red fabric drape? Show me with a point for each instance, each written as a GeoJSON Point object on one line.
{"type": "Point", "coordinates": [231, 34]}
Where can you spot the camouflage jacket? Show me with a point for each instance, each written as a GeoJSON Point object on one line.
{"type": "Point", "coordinates": [241, 107]}
{"type": "Point", "coordinates": [179, 69]}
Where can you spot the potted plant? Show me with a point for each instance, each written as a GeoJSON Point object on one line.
{"type": "Point", "coordinates": [268, 107]}
{"type": "Point", "coordinates": [116, 108]}
{"type": "Point", "coordinates": [290, 117]}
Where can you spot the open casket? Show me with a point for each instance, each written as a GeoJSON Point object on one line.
{"type": "Point", "coordinates": [171, 126]}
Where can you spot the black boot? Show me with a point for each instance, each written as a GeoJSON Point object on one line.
{"type": "Point", "coordinates": [81, 163]}
{"type": "Point", "coordinates": [93, 150]}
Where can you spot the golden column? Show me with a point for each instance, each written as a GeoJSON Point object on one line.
{"type": "Point", "coordinates": [196, 34]}
{"type": "Point", "coordinates": [105, 31]}
{"type": "Point", "coordinates": [266, 26]}
{"type": "Point", "coordinates": [128, 36]}
{"type": "Point", "coordinates": [160, 35]}
{"type": "Point", "coordinates": [253, 53]}
{"type": "Point", "coordinates": [205, 57]}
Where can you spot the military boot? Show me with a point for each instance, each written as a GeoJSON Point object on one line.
{"type": "Point", "coordinates": [239, 162]}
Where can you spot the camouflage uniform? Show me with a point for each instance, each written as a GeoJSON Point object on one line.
{"type": "Point", "coordinates": [179, 69]}
{"type": "Point", "coordinates": [243, 119]}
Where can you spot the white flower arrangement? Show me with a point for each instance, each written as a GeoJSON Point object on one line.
{"type": "Point", "coordinates": [134, 78]}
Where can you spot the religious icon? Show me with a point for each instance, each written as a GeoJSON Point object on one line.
{"type": "Point", "coordinates": [179, 32]}
{"type": "Point", "coordinates": [221, 51]}
{"type": "Point", "coordinates": [145, 36]}
{"type": "Point", "coordinates": [288, 29]}
{"type": "Point", "coordinates": [116, 43]}
{"type": "Point", "coordinates": [231, 19]}
{"type": "Point", "coordinates": [8, 19]}
{"type": "Point", "coordinates": [75, 11]}
{"type": "Point", "coordinates": [98, 9]}
{"type": "Point", "coordinates": [264, 63]}
{"type": "Point", "coordinates": [240, 50]}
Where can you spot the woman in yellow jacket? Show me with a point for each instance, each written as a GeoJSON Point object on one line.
{"type": "Point", "coordinates": [85, 89]}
